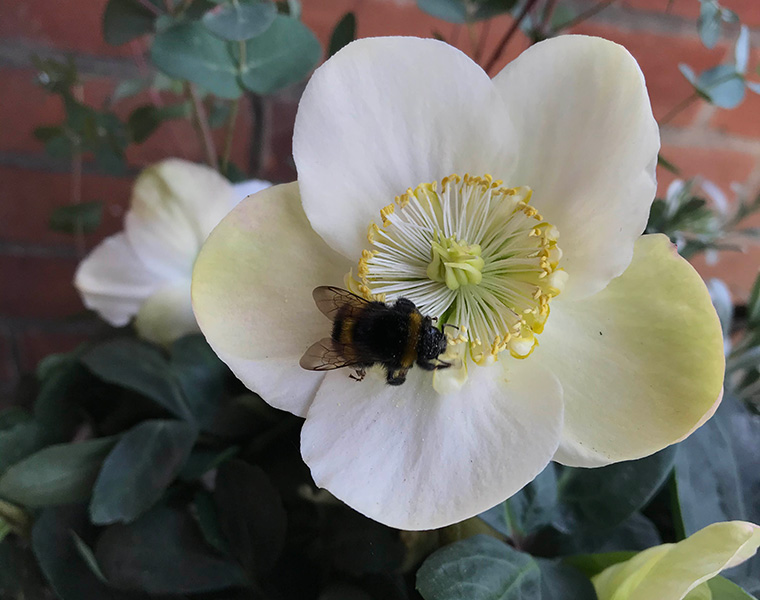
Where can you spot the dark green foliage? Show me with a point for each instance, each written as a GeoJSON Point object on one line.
{"type": "Point", "coordinates": [76, 218]}
{"type": "Point", "coordinates": [240, 20]}
{"type": "Point", "coordinates": [343, 34]}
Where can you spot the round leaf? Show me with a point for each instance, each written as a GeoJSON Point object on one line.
{"type": "Point", "coordinates": [238, 21]}
{"type": "Point", "coordinates": [282, 55]}
{"type": "Point", "coordinates": [138, 470]}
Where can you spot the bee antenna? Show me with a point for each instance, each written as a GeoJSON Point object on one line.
{"type": "Point", "coordinates": [450, 325]}
{"type": "Point", "coordinates": [434, 319]}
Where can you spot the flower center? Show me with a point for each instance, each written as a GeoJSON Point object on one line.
{"type": "Point", "coordinates": [474, 254]}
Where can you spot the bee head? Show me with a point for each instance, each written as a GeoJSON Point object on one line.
{"type": "Point", "coordinates": [432, 342]}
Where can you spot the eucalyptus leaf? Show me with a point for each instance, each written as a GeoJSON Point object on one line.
{"type": "Point", "coordinates": [240, 20]}
{"type": "Point", "coordinates": [479, 568]}
{"type": "Point", "coordinates": [59, 474]}
{"type": "Point", "coordinates": [76, 218]}
{"type": "Point", "coordinates": [206, 514]}
{"type": "Point", "coordinates": [343, 34]}
{"type": "Point", "coordinates": [138, 470]}
{"type": "Point", "coordinates": [688, 73]}
{"type": "Point", "coordinates": [128, 88]}
{"type": "Point", "coordinates": [284, 54]}
{"type": "Point", "coordinates": [603, 498]}
{"type": "Point", "coordinates": [126, 20]}
{"type": "Point", "coordinates": [637, 533]}
{"type": "Point", "coordinates": [163, 553]}
{"type": "Point", "coordinates": [465, 11]}
{"type": "Point", "coordinates": [18, 442]}
{"type": "Point", "coordinates": [593, 564]}
{"type": "Point", "coordinates": [722, 85]}
{"type": "Point", "coordinates": [741, 50]}
{"type": "Point", "coordinates": [709, 23]}
{"type": "Point", "coordinates": [187, 50]}
{"type": "Point", "coordinates": [140, 368]}
{"type": "Point", "coordinates": [144, 120]}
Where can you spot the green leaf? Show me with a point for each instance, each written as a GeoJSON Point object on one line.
{"type": "Point", "coordinates": [593, 564]}
{"type": "Point", "coordinates": [144, 120]}
{"type": "Point", "coordinates": [88, 556]}
{"type": "Point", "coordinates": [126, 20]}
{"type": "Point", "coordinates": [563, 582]}
{"type": "Point", "coordinates": [201, 461]}
{"type": "Point", "coordinates": [240, 20]}
{"type": "Point", "coordinates": [709, 23]}
{"type": "Point", "coordinates": [10, 417]}
{"type": "Point", "coordinates": [635, 533]}
{"type": "Point", "coordinates": [724, 306]}
{"type": "Point", "coordinates": [464, 11]}
{"type": "Point", "coordinates": [206, 514]}
{"type": "Point", "coordinates": [138, 470]}
{"type": "Point", "coordinates": [753, 303]}
{"type": "Point", "coordinates": [201, 377]}
{"type": "Point", "coordinates": [722, 85]}
{"type": "Point", "coordinates": [140, 368]}
{"type": "Point", "coordinates": [603, 498]}
{"type": "Point", "coordinates": [75, 218]}
{"type": "Point", "coordinates": [343, 34]}
{"type": "Point", "coordinates": [61, 562]}
{"type": "Point", "coordinates": [187, 50]}
{"type": "Point", "coordinates": [723, 589]}
{"type": "Point", "coordinates": [163, 553]}
{"type": "Point", "coordinates": [667, 165]}
{"type": "Point", "coordinates": [688, 73]}
{"type": "Point", "coordinates": [284, 54]}
{"type": "Point", "coordinates": [59, 474]}
{"type": "Point", "coordinates": [741, 50]}
{"type": "Point", "coordinates": [128, 88]}
{"type": "Point", "coordinates": [528, 510]}
{"type": "Point", "coordinates": [251, 515]}
{"type": "Point", "coordinates": [717, 477]}
{"type": "Point", "coordinates": [20, 441]}
{"type": "Point", "coordinates": [479, 568]}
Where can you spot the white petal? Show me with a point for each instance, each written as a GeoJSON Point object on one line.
{"type": "Point", "coordinates": [413, 459]}
{"type": "Point", "coordinates": [588, 148]}
{"type": "Point", "coordinates": [252, 287]}
{"type": "Point", "coordinates": [249, 187]}
{"type": "Point", "coordinates": [384, 115]}
{"type": "Point", "coordinates": [175, 205]}
{"type": "Point", "coordinates": [167, 314]}
{"type": "Point", "coordinates": [641, 362]}
{"type": "Point", "coordinates": [114, 282]}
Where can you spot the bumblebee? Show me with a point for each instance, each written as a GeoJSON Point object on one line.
{"type": "Point", "coordinates": [366, 333]}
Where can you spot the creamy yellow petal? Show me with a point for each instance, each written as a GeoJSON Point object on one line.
{"type": "Point", "coordinates": [641, 362]}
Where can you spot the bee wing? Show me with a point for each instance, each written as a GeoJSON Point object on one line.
{"type": "Point", "coordinates": [327, 354]}
{"type": "Point", "coordinates": [330, 300]}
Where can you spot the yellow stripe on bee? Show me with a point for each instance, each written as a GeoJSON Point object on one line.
{"type": "Point", "coordinates": [410, 351]}
{"type": "Point", "coordinates": [347, 331]}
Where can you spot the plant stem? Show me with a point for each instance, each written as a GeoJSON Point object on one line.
{"type": "Point", "coordinates": [678, 108]}
{"type": "Point", "coordinates": [508, 35]}
{"type": "Point", "coordinates": [229, 135]}
{"type": "Point", "coordinates": [587, 14]}
{"type": "Point", "coordinates": [546, 18]}
{"type": "Point", "coordinates": [201, 122]}
{"type": "Point", "coordinates": [482, 41]}
{"type": "Point", "coordinates": [258, 112]}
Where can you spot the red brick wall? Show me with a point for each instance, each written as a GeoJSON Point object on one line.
{"type": "Point", "coordinates": [40, 312]}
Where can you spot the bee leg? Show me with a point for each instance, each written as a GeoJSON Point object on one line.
{"type": "Point", "coordinates": [396, 376]}
{"type": "Point", "coordinates": [359, 375]}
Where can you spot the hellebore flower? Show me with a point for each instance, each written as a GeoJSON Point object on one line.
{"type": "Point", "coordinates": [145, 271]}
{"type": "Point", "coordinates": [490, 179]}
{"type": "Point", "coordinates": [682, 570]}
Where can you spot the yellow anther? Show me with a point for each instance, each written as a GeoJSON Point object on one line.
{"type": "Point", "coordinates": [372, 230]}
{"type": "Point", "coordinates": [387, 212]}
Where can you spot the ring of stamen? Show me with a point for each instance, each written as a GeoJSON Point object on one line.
{"type": "Point", "coordinates": [471, 252]}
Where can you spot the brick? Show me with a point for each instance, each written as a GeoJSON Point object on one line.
{"type": "Point", "coordinates": [722, 167]}
{"type": "Point", "coordinates": [31, 197]}
{"type": "Point", "coordinates": [659, 56]}
{"type": "Point", "coordinates": [737, 269]}
{"type": "Point", "coordinates": [35, 343]}
{"type": "Point", "coordinates": [8, 370]}
{"type": "Point", "coordinates": [74, 26]}
{"type": "Point", "coordinates": [748, 10]}
{"type": "Point", "coordinates": [38, 287]}
{"type": "Point", "coordinates": [744, 120]}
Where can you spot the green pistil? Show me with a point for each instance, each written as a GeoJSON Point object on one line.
{"type": "Point", "coordinates": [455, 263]}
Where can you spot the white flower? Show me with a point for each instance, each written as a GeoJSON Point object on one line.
{"type": "Point", "coordinates": [680, 571]}
{"type": "Point", "coordinates": [630, 359]}
{"type": "Point", "coordinates": [145, 271]}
